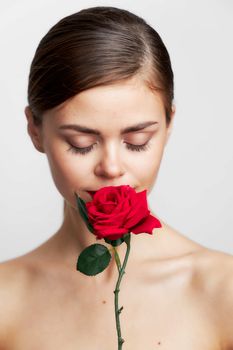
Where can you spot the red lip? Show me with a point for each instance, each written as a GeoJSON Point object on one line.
{"type": "Point", "coordinates": [93, 192]}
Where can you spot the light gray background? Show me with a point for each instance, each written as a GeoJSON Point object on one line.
{"type": "Point", "coordinates": [193, 192]}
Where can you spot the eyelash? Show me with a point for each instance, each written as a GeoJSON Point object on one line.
{"type": "Point", "coordinates": [85, 150]}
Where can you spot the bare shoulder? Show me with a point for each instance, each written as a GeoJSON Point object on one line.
{"type": "Point", "coordinates": [215, 263]}
{"type": "Point", "coordinates": [214, 271]}
{"type": "Point", "coordinates": [14, 280]}
{"type": "Point", "coordinates": [216, 268]}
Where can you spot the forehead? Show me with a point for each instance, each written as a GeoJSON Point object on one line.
{"type": "Point", "coordinates": [123, 103]}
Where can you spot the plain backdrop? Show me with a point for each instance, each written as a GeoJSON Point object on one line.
{"type": "Point", "coordinates": [193, 192]}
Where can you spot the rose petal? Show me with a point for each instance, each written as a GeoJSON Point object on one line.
{"type": "Point", "coordinates": [147, 225]}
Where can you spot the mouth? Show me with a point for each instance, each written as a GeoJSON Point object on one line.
{"type": "Point", "coordinates": [93, 192]}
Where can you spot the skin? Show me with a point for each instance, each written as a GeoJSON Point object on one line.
{"type": "Point", "coordinates": [110, 162]}
{"type": "Point", "coordinates": [174, 292]}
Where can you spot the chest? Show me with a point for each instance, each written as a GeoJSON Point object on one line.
{"type": "Point", "coordinates": [164, 316]}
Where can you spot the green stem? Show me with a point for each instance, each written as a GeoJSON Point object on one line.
{"type": "Point", "coordinates": [117, 289]}
{"type": "Point", "coordinates": [117, 259]}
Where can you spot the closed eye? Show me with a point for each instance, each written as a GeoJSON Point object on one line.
{"type": "Point", "coordinates": [84, 150]}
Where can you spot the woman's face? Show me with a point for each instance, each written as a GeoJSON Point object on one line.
{"type": "Point", "coordinates": [88, 145]}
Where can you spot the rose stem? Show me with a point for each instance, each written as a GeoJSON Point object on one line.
{"type": "Point", "coordinates": [116, 291]}
{"type": "Point", "coordinates": [117, 259]}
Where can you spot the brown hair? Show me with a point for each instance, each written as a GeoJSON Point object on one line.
{"type": "Point", "coordinates": [97, 46]}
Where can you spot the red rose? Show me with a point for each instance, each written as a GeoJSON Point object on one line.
{"type": "Point", "coordinates": [117, 210]}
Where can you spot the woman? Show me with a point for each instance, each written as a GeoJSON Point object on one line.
{"type": "Point", "coordinates": [100, 106]}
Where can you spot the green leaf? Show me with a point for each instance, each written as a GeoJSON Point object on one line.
{"type": "Point", "coordinates": [93, 259]}
{"type": "Point", "coordinates": [82, 206]}
{"type": "Point", "coordinates": [83, 212]}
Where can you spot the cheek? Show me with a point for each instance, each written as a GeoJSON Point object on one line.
{"type": "Point", "coordinates": [67, 172]}
{"type": "Point", "coordinates": [148, 167]}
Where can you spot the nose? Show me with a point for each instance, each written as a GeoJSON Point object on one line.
{"type": "Point", "coordinates": [110, 164]}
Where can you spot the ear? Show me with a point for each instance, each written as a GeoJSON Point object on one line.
{"type": "Point", "coordinates": [169, 128]}
{"type": "Point", "coordinates": [34, 131]}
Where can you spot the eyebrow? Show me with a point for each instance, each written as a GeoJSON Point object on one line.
{"type": "Point", "coordinates": [87, 130]}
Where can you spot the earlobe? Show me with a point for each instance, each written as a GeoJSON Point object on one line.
{"type": "Point", "coordinates": [33, 130]}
